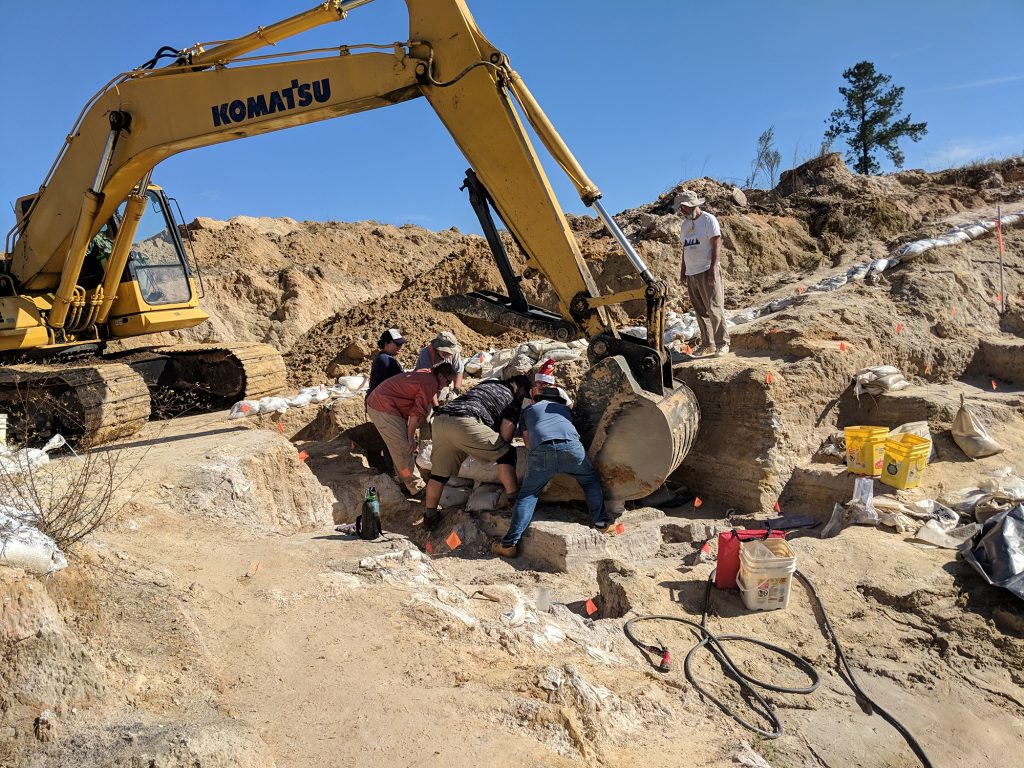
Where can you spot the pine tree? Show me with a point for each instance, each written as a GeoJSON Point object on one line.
{"type": "Point", "coordinates": [869, 119]}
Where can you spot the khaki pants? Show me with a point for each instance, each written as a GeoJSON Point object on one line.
{"type": "Point", "coordinates": [456, 437]}
{"type": "Point", "coordinates": [709, 307]}
{"type": "Point", "coordinates": [393, 430]}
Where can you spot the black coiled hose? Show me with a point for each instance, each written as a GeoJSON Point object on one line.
{"type": "Point", "coordinates": [749, 685]}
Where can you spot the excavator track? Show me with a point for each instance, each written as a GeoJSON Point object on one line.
{"type": "Point", "coordinates": [235, 371]}
{"type": "Point", "coordinates": [92, 403]}
{"type": "Point", "coordinates": [89, 404]}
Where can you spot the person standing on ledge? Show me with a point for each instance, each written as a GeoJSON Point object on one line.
{"type": "Point", "coordinates": [701, 272]}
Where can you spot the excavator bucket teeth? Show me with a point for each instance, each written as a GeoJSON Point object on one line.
{"type": "Point", "coordinates": [635, 439]}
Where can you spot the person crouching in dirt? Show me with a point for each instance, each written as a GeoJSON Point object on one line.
{"type": "Point", "coordinates": [701, 272]}
{"type": "Point", "coordinates": [480, 423]}
{"type": "Point", "coordinates": [385, 364]}
{"type": "Point", "coordinates": [397, 407]}
{"type": "Point", "coordinates": [443, 348]}
{"type": "Point", "coordinates": [555, 449]}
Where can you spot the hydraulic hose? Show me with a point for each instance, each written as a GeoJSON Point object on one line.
{"type": "Point", "coordinates": [748, 684]}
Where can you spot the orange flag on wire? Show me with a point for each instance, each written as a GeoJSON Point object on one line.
{"type": "Point", "coordinates": [999, 236]}
{"type": "Point", "coordinates": [591, 607]}
{"type": "Point", "coordinates": [453, 540]}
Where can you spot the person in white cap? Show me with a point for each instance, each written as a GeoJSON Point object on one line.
{"type": "Point", "coordinates": [701, 272]}
{"type": "Point", "coordinates": [444, 348]}
{"type": "Point", "coordinates": [385, 364]}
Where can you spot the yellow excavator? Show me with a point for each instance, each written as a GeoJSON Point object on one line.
{"type": "Point", "coordinates": [96, 254]}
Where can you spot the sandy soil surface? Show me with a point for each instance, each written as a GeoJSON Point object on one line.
{"type": "Point", "coordinates": [221, 621]}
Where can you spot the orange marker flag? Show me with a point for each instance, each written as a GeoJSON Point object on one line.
{"type": "Point", "coordinates": [769, 378]}
{"type": "Point", "coordinates": [802, 289]}
{"type": "Point", "coordinates": [994, 384]}
{"type": "Point", "coordinates": [280, 427]}
{"type": "Point", "coordinates": [303, 455]}
{"type": "Point", "coordinates": [591, 607]}
{"type": "Point", "coordinates": [619, 529]}
{"type": "Point", "coordinates": [899, 327]}
{"type": "Point", "coordinates": [697, 502]}
{"type": "Point", "coordinates": [453, 540]}
{"type": "Point", "coordinates": [953, 311]}
{"type": "Point", "coordinates": [927, 370]}
{"type": "Point", "coordinates": [687, 350]}
{"type": "Point", "coordinates": [775, 330]}
{"type": "Point", "coordinates": [777, 508]}
{"type": "Point", "coordinates": [842, 346]}
{"type": "Point", "coordinates": [245, 408]}
{"type": "Point", "coordinates": [999, 236]}
{"type": "Point", "coordinates": [430, 548]}
{"type": "Point", "coordinates": [706, 547]}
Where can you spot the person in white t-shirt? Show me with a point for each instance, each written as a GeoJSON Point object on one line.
{"type": "Point", "coordinates": [701, 237]}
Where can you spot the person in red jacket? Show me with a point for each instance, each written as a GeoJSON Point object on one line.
{"type": "Point", "coordinates": [397, 407]}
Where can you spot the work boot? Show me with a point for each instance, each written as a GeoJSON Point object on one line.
{"type": "Point", "coordinates": [497, 548]}
{"type": "Point", "coordinates": [704, 350]}
{"type": "Point", "coordinates": [606, 528]}
{"type": "Point", "coordinates": [722, 351]}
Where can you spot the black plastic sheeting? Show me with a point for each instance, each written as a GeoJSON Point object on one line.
{"type": "Point", "coordinates": [997, 552]}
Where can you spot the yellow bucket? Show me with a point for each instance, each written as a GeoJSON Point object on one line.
{"type": "Point", "coordinates": [865, 448]}
{"type": "Point", "coordinates": [905, 458]}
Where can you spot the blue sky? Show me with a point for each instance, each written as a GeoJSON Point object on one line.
{"type": "Point", "coordinates": [646, 93]}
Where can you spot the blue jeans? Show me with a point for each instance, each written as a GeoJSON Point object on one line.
{"type": "Point", "coordinates": [544, 462]}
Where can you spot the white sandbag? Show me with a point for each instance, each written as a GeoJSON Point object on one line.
{"type": "Point", "coordinates": [828, 284]}
{"type": "Point", "coordinates": [971, 436]}
{"type": "Point", "coordinates": [520, 364]}
{"type": "Point", "coordinates": [858, 273]}
{"type": "Point", "coordinates": [299, 401]}
{"type": "Point", "coordinates": [273, 405]}
{"type": "Point", "coordinates": [423, 461]}
{"type": "Point", "coordinates": [879, 380]}
{"type": "Point", "coordinates": [487, 471]}
{"type": "Point", "coordinates": [455, 497]}
{"type": "Point", "coordinates": [913, 250]}
{"type": "Point", "coordinates": [244, 408]}
{"type": "Point", "coordinates": [484, 498]}
{"type": "Point", "coordinates": [781, 304]}
{"type": "Point", "coordinates": [352, 383]}
{"type": "Point", "coordinates": [21, 461]}
{"type": "Point", "coordinates": [878, 265]}
{"type": "Point", "coordinates": [975, 231]}
{"type": "Point", "coordinates": [560, 355]}
{"type": "Point", "coordinates": [342, 393]}
{"type": "Point", "coordinates": [478, 362]}
{"type": "Point", "coordinates": [481, 471]}
{"type": "Point", "coordinates": [744, 316]}
{"type": "Point", "coordinates": [24, 546]}
{"type": "Point", "coordinates": [316, 394]}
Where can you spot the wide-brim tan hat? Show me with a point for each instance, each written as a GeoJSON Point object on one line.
{"type": "Point", "coordinates": [446, 343]}
{"type": "Point", "coordinates": [688, 198]}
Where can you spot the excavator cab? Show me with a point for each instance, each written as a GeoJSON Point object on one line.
{"type": "Point", "coordinates": [158, 290]}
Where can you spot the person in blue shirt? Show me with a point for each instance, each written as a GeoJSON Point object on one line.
{"type": "Point", "coordinates": [385, 364]}
{"type": "Point", "coordinates": [555, 448]}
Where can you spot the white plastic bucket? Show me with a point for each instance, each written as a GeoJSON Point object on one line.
{"type": "Point", "coordinates": [766, 574]}
{"type": "Point", "coordinates": [764, 592]}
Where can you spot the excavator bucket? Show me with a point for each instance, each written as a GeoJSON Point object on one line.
{"type": "Point", "coordinates": [635, 439]}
